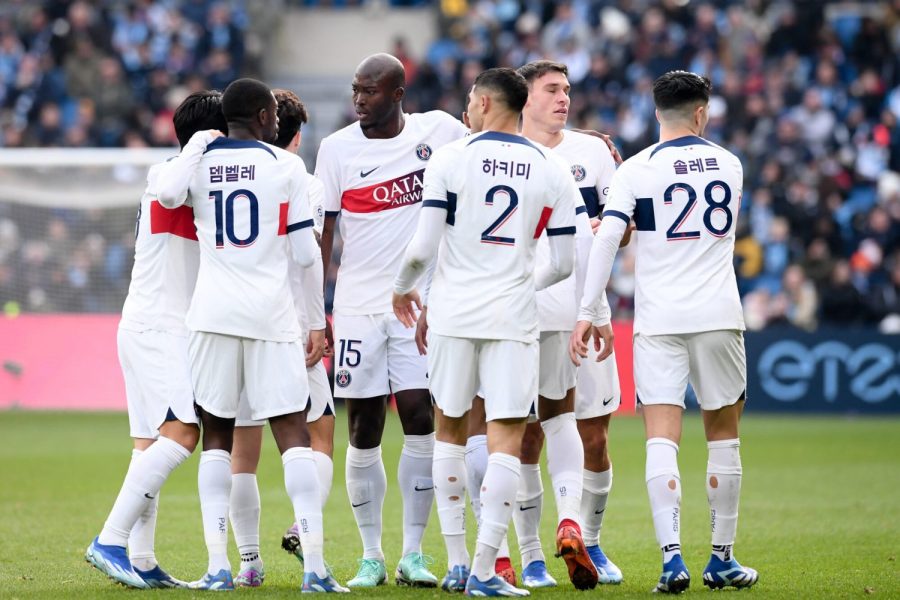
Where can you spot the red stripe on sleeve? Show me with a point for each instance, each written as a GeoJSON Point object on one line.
{"type": "Point", "coordinates": [542, 222]}
{"type": "Point", "coordinates": [282, 218]}
{"type": "Point", "coordinates": [177, 221]}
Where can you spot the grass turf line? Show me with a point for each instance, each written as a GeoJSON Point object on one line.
{"type": "Point", "coordinates": [820, 515]}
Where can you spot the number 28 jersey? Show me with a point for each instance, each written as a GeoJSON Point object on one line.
{"type": "Point", "coordinates": [684, 196]}
{"type": "Point", "coordinates": [501, 192]}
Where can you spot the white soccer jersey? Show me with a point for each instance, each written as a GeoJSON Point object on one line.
{"type": "Point", "coordinates": [166, 256]}
{"type": "Point", "coordinates": [592, 167]}
{"type": "Point", "coordinates": [248, 197]}
{"type": "Point", "coordinates": [684, 196]}
{"type": "Point", "coordinates": [376, 186]}
{"type": "Point", "coordinates": [501, 192]}
{"type": "Point", "coordinates": [317, 203]}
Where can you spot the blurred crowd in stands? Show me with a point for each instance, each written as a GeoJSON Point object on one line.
{"type": "Point", "coordinates": [806, 93]}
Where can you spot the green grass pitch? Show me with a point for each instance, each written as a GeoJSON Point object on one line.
{"type": "Point", "coordinates": [820, 512]}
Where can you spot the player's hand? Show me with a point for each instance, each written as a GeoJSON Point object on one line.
{"type": "Point", "coordinates": [329, 339]}
{"type": "Point", "coordinates": [578, 342]}
{"type": "Point", "coordinates": [607, 139]}
{"type": "Point", "coordinates": [595, 225]}
{"type": "Point", "coordinates": [603, 341]}
{"type": "Point", "coordinates": [315, 347]}
{"type": "Point", "coordinates": [626, 237]}
{"type": "Point", "coordinates": [422, 332]}
{"type": "Point", "coordinates": [405, 306]}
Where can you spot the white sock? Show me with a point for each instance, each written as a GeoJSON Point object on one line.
{"type": "Point", "coordinates": [593, 504]}
{"type": "Point", "coordinates": [476, 465]}
{"type": "Point", "coordinates": [141, 538]}
{"type": "Point", "coordinates": [449, 470]}
{"type": "Point", "coordinates": [143, 481]}
{"type": "Point", "coordinates": [366, 487]}
{"type": "Point", "coordinates": [527, 513]}
{"type": "Point", "coordinates": [664, 489]}
{"type": "Point", "coordinates": [302, 485]}
{"type": "Point", "coordinates": [723, 489]}
{"type": "Point", "coordinates": [244, 508]}
{"type": "Point", "coordinates": [325, 472]}
{"type": "Point", "coordinates": [416, 487]}
{"type": "Point", "coordinates": [498, 495]}
{"type": "Point", "coordinates": [503, 550]}
{"type": "Point", "coordinates": [214, 483]}
{"type": "Point", "coordinates": [565, 462]}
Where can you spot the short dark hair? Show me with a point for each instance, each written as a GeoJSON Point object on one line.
{"type": "Point", "coordinates": [244, 98]}
{"type": "Point", "coordinates": [677, 88]}
{"type": "Point", "coordinates": [538, 68]}
{"type": "Point", "coordinates": [512, 87]}
{"type": "Point", "coordinates": [291, 115]}
{"type": "Point", "coordinates": [199, 111]}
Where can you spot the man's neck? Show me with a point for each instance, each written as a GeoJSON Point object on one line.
{"type": "Point", "coordinates": [535, 133]}
{"type": "Point", "coordinates": [387, 130]}
{"type": "Point", "coordinates": [240, 132]}
{"type": "Point", "coordinates": [505, 123]}
{"type": "Point", "coordinates": [673, 132]}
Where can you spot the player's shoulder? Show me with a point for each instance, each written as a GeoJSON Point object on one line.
{"type": "Point", "coordinates": [436, 118]}
{"type": "Point", "coordinates": [351, 132]}
{"type": "Point", "coordinates": [583, 141]}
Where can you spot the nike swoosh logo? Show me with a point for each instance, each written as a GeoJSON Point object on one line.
{"type": "Point", "coordinates": [524, 508]}
{"type": "Point", "coordinates": [607, 401]}
{"type": "Point", "coordinates": [599, 512]}
{"type": "Point", "coordinates": [364, 174]}
{"type": "Point", "coordinates": [360, 504]}
{"type": "Point", "coordinates": [418, 489]}
{"type": "Point", "coordinates": [148, 496]}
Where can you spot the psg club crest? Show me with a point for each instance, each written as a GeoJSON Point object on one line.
{"type": "Point", "coordinates": [578, 172]}
{"type": "Point", "coordinates": [423, 151]}
{"type": "Point", "coordinates": [342, 378]}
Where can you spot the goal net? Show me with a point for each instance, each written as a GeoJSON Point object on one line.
{"type": "Point", "coordinates": [67, 221]}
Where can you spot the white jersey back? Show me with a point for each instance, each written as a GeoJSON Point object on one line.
{"type": "Point", "coordinates": [376, 187]}
{"type": "Point", "coordinates": [684, 196]}
{"type": "Point", "coordinates": [592, 167]}
{"type": "Point", "coordinates": [247, 197]}
{"type": "Point", "coordinates": [295, 271]}
{"type": "Point", "coordinates": [166, 257]}
{"type": "Point", "coordinates": [501, 192]}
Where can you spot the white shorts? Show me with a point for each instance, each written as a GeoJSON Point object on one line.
{"type": "Point", "coordinates": [713, 361]}
{"type": "Point", "coordinates": [375, 355]}
{"type": "Point", "coordinates": [597, 393]}
{"type": "Point", "coordinates": [157, 373]}
{"type": "Point", "coordinates": [557, 371]}
{"type": "Point", "coordinates": [505, 370]}
{"type": "Point", "coordinates": [320, 401]}
{"type": "Point", "coordinates": [274, 374]}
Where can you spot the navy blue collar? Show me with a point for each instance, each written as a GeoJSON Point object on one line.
{"type": "Point", "coordinates": [224, 143]}
{"type": "Point", "coordinates": [505, 137]}
{"type": "Point", "coordinates": [688, 140]}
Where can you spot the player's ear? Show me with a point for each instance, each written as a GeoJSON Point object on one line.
{"type": "Point", "coordinates": [656, 112]}
{"type": "Point", "coordinates": [399, 93]}
{"type": "Point", "coordinates": [297, 138]}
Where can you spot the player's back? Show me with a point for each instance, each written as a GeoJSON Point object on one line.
{"type": "Point", "coordinates": [686, 195]}
{"type": "Point", "coordinates": [502, 191]}
{"type": "Point", "coordinates": [240, 195]}
{"type": "Point", "coordinates": [165, 265]}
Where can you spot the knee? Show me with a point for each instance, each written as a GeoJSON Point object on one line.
{"type": "Point", "coordinates": [594, 441]}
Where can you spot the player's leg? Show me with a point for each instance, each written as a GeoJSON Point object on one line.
{"type": "Point", "coordinates": [217, 372]}
{"type": "Point", "coordinates": [157, 380]}
{"type": "Point", "coordinates": [244, 508]}
{"type": "Point", "coordinates": [408, 372]}
{"type": "Point", "coordinates": [528, 511]}
{"type": "Point", "coordinates": [361, 379]}
{"type": "Point", "coordinates": [661, 371]}
{"type": "Point", "coordinates": [452, 364]}
{"type": "Point", "coordinates": [507, 371]}
{"type": "Point", "coordinates": [718, 374]}
{"type": "Point", "coordinates": [597, 396]}
{"type": "Point", "coordinates": [278, 390]}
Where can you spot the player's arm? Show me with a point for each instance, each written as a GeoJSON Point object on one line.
{"type": "Point", "coordinates": [560, 227]}
{"type": "Point", "coordinates": [175, 175]}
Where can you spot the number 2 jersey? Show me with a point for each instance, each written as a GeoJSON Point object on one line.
{"type": "Point", "coordinates": [684, 196]}
{"type": "Point", "coordinates": [248, 197]}
{"type": "Point", "coordinates": [376, 187]}
{"type": "Point", "coordinates": [501, 192]}
{"type": "Point", "coordinates": [166, 257]}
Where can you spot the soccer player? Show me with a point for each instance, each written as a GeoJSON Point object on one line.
{"type": "Point", "coordinates": [250, 202]}
{"type": "Point", "coordinates": [596, 395]}
{"type": "Point", "coordinates": [684, 195]}
{"type": "Point", "coordinates": [487, 200]}
{"type": "Point", "coordinates": [245, 503]}
{"type": "Point", "coordinates": [372, 173]}
{"type": "Point", "coordinates": [153, 352]}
